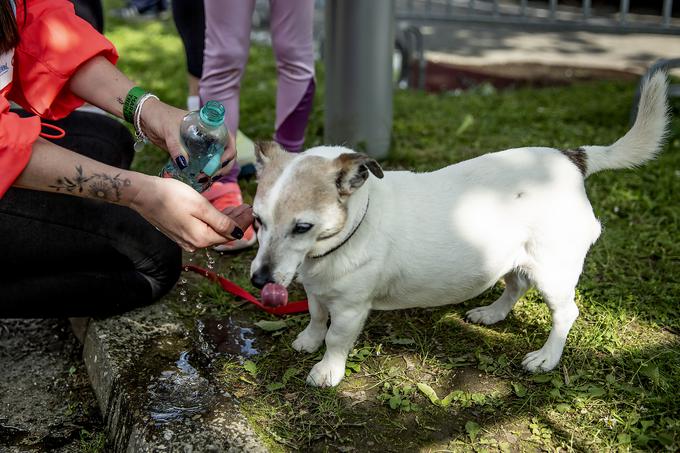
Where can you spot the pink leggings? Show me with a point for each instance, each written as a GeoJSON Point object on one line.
{"type": "Point", "coordinates": [227, 42]}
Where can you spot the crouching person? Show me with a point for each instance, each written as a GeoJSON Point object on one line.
{"type": "Point", "coordinates": [80, 233]}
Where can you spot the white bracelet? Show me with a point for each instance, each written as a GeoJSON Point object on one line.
{"type": "Point", "coordinates": [142, 139]}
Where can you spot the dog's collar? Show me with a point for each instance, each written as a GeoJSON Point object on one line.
{"type": "Point", "coordinates": [344, 241]}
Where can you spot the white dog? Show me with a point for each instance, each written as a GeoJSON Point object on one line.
{"type": "Point", "coordinates": [405, 240]}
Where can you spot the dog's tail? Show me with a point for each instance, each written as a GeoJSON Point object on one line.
{"type": "Point", "coordinates": [644, 140]}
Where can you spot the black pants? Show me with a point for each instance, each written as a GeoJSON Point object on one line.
{"type": "Point", "coordinates": [189, 19]}
{"type": "Point", "coordinates": [70, 256]}
{"type": "Point", "coordinates": [91, 11]}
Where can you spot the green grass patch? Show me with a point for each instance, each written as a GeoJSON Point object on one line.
{"type": "Point", "coordinates": [425, 379]}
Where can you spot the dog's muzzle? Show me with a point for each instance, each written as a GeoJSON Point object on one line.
{"type": "Point", "coordinates": [262, 276]}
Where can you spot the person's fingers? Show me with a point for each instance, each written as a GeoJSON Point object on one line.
{"type": "Point", "coordinates": [204, 180]}
{"type": "Point", "coordinates": [209, 237]}
{"type": "Point", "coordinates": [228, 159]}
{"type": "Point", "coordinates": [220, 223]}
{"type": "Point", "coordinates": [177, 153]}
{"type": "Point", "coordinates": [229, 153]}
{"type": "Point", "coordinates": [243, 216]}
{"type": "Point", "coordinates": [234, 211]}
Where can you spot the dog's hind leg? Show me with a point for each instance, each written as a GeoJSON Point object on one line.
{"type": "Point", "coordinates": [516, 284]}
{"type": "Point", "coordinates": [558, 291]}
{"type": "Point", "coordinates": [311, 339]}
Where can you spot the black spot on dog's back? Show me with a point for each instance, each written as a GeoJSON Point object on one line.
{"type": "Point", "coordinates": [578, 157]}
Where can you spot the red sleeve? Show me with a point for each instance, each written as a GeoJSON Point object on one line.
{"type": "Point", "coordinates": [17, 136]}
{"type": "Point", "coordinates": [54, 42]}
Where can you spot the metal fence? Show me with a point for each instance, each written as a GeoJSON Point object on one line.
{"type": "Point", "coordinates": [546, 14]}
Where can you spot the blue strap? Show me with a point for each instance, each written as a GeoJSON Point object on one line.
{"type": "Point", "coordinates": [14, 7]}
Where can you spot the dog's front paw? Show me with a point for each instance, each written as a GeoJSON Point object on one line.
{"type": "Point", "coordinates": [541, 360]}
{"type": "Point", "coordinates": [485, 315]}
{"type": "Point", "coordinates": [326, 374]}
{"type": "Point", "coordinates": [308, 342]}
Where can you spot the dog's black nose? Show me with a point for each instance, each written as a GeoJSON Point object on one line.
{"type": "Point", "coordinates": [261, 277]}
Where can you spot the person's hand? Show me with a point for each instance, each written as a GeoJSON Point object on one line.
{"type": "Point", "coordinates": [185, 216]}
{"type": "Point", "coordinates": [242, 215]}
{"type": "Point", "coordinates": [161, 122]}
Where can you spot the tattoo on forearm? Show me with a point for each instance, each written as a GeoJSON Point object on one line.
{"type": "Point", "coordinates": [120, 100]}
{"type": "Point", "coordinates": [99, 185]}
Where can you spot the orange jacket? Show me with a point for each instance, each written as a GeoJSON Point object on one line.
{"type": "Point", "coordinates": [54, 42]}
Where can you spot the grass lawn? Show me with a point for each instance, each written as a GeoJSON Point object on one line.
{"type": "Point", "coordinates": [425, 379]}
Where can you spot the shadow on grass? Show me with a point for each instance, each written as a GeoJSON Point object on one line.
{"type": "Point", "coordinates": [601, 397]}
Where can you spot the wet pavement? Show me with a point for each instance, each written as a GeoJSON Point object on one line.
{"type": "Point", "coordinates": [156, 377]}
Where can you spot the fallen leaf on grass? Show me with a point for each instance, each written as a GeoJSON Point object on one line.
{"type": "Point", "coordinates": [520, 389]}
{"type": "Point", "coordinates": [250, 367]}
{"type": "Point", "coordinates": [429, 392]}
{"type": "Point", "coordinates": [275, 386]}
{"type": "Point", "coordinates": [271, 326]}
{"type": "Point", "coordinates": [290, 372]}
{"type": "Point", "coordinates": [541, 378]}
{"type": "Point", "coordinates": [472, 429]}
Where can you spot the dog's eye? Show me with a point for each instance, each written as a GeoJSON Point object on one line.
{"type": "Point", "coordinates": [300, 228]}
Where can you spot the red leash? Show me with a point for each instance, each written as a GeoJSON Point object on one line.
{"type": "Point", "coordinates": [231, 287]}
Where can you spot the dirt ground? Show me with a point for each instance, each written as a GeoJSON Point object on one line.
{"type": "Point", "coordinates": [46, 402]}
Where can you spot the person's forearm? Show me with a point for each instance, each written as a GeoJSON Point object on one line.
{"type": "Point", "coordinates": [56, 169]}
{"type": "Point", "coordinates": [100, 83]}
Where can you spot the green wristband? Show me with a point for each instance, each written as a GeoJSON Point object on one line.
{"type": "Point", "coordinates": [131, 103]}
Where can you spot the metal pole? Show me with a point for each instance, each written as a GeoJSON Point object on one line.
{"type": "Point", "coordinates": [358, 54]}
{"type": "Point", "coordinates": [667, 8]}
{"type": "Point", "coordinates": [625, 6]}
{"type": "Point", "coordinates": [553, 9]}
{"type": "Point", "coordinates": [586, 9]}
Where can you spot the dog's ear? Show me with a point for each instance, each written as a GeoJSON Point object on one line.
{"type": "Point", "coordinates": [353, 171]}
{"type": "Point", "coordinates": [265, 153]}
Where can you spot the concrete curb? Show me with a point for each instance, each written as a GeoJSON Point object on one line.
{"type": "Point", "coordinates": [146, 375]}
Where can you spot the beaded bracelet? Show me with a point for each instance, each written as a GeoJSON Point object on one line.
{"type": "Point", "coordinates": [142, 139]}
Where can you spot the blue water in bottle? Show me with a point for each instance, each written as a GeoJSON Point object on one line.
{"type": "Point", "coordinates": [203, 135]}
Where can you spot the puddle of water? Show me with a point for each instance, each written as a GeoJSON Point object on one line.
{"type": "Point", "coordinates": [179, 392]}
{"type": "Point", "coordinates": [225, 336]}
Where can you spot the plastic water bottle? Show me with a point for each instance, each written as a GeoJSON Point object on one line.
{"type": "Point", "coordinates": [203, 135]}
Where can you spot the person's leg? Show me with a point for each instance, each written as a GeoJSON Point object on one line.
{"type": "Point", "coordinates": [189, 19]}
{"type": "Point", "coordinates": [67, 256]}
{"type": "Point", "coordinates": [91, 11]}
{"type": "Point", "coordinates": [70, 256]}
{"type": "Point", "coordinates": [227, 42]}
{"type": "Point", "coordinates": [292, 38]}
{"type": "Point", "coordinates": [143, 6]}
{"type": "Point", "coordinates": [141, 9]}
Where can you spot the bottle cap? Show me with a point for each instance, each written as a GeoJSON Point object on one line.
{"type": "Point", "coordinates": [212, 113]}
